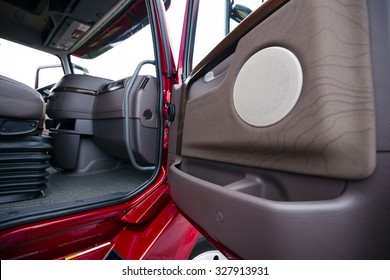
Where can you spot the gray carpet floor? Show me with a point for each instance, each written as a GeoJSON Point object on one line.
{"type": "Point", "coordinates": [65, 188]}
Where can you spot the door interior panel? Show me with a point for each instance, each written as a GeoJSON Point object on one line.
{"type": "Point", "coordinates": [254, 218]}
{"type": "Point", "coordinates": [314, 185]}
{"type": "Point", "coordinates": [331, 127]}
{"type": "Point", "coordinates": [267, 184]}
{"type": "Point", "coordinates": [380, 40]}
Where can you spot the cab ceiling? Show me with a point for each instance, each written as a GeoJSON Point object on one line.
{"type": "Point", "coordinates": [42, 23]}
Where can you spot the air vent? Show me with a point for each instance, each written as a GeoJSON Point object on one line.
{"type": "Point", "coordinates": [105, 88]}
{"type": "Point", "coordinates": [121, 83]}
{"type": "Point", "coordinates": [148, 114]}
{"type": "Point", "coordinates": [114, 85]}
{"type": "Point", "coordinates": [144, 83]}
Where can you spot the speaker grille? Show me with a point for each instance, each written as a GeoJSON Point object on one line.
{"type": "Point", "coordinates": [148, 114]}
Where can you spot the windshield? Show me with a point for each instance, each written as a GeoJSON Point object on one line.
{"type": "Point", "coordinates": [120, 61]}
{"type": "Point", "coordinates": [116, 51]}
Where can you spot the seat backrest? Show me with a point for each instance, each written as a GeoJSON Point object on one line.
{"type": "Point", "coordinates": [21, 107]}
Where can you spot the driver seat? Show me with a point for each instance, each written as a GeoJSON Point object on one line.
{"type": "Point", "coordinates": [24, 155]}
{"type": "Point", "coordinates": [22, 108]}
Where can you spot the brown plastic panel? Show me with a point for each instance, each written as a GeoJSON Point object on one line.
{"type": "Point", "coordinates": [354, 225]}
{"type": "Point", "coordinates": [109, 104]}
{"type": "Point", "coordinates": [331, 128]}
{"type": "Point", "coordinates": [66, 150]}
{"type": "Point", "coordinates": [109, 120]}
{"type": "Point", "coordinates": [380, 40]}
{"type": "Point", "coordinates": [74, 97]}
{"type": "Point", "coordinates": [268, 184]}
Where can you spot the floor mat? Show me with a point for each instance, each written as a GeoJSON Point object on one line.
{"type": "Point", "coordinates": [65, 188]}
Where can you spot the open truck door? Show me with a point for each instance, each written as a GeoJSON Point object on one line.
{"type": "Point", "coordinates": [279, 147]}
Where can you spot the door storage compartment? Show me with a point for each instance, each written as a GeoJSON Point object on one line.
{"type": "Point", "coordinates": [265, 184]}
{"type": "Point", "coordinates": [23, 161]}
{"type": "Point", "coordinates": [265, 222]}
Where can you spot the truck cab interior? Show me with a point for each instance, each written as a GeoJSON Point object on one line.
{"type": "Point", "coordinates": [275, 145]}
{"type": "Point", "coordinates": [85, 140]}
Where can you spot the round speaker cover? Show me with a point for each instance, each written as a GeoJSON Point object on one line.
{"type": "Point", "coordinates": [268, 86]}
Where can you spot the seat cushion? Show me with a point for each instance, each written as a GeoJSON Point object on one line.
{"type": "Point", "coordinates": [19, 101]}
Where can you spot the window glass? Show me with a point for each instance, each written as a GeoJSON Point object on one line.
{"type": "Point", "coordinates": [20, 63]}
{"type": "Point", "coordinates": [210, 27]}
{"type": "Point", "coordinates": [122, 59]}
{"type": "Point", "coordinates": [175, 18]}
{"type": "Point", "coordinates": [213, 21]}
{"type": "Point", "coordinates": [48, 75]}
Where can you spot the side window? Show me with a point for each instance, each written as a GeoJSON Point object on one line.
{"type": "Point", "coordinates": [48, 74]}
{"type": "Point", "coordinates": [216, 19]}
{"type": "Point", "coordinates": [210, 27]}
{"type": "Point", "coordinates": [22, 63]}
{"type": "Point", "coordinates": [240, 9]}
